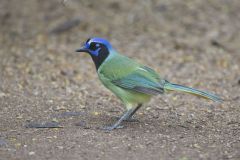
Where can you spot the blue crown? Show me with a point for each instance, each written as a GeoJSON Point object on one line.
{"type": "Point", "coordinates": [98, 40]}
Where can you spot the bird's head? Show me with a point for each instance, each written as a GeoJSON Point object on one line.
{"type": "Point", "coordinates": [98, 48]}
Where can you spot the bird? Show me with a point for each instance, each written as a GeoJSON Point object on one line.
{"type": "Point", "coordinates": [133, 83]}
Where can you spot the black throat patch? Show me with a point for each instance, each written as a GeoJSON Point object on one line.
{"type": "Point", "coordinates": [98, 60]}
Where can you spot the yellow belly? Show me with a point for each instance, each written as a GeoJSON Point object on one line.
{"type": "Point", "coordinates": [130, 98]}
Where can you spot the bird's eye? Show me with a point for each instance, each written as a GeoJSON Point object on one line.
{"type": "Point", "coordinates": [93, 46]}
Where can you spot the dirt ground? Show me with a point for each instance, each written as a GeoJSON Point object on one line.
{"type": "Point", "coordinates": [43, 81]}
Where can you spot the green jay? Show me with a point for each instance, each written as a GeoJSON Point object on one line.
{"type": "Point", "coordinates": [132, 82]}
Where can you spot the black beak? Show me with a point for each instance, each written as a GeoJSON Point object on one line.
{"type": "Point", "coordinates": [83, 49]}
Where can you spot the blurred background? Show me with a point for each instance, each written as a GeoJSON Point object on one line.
{"type": "Point", "coordinates": [191, 42]}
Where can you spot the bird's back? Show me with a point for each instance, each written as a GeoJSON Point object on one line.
{"type": "Point", "coordinates": [120, 66]}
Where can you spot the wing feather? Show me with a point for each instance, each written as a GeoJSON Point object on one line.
{"type": "Point", "coordinates": [139, 83]}
{"type": "Point", "coordinates": [128, 74]}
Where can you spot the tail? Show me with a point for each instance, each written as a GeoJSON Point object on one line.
{"type": "Point", "coordinates": [203, 94]}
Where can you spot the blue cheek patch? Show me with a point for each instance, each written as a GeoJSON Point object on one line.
{"type": "Point", "coordinates": [96, 52]}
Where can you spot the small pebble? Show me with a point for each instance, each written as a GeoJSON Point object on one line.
{"type": "Point", "coordinates": [60, 147]}
{"type": "Point", "coordinates": [96, 113]}
{"type": "Point", "coordinates": [148, 108]}
{"type": "Point", "coordinates": [31, 153]}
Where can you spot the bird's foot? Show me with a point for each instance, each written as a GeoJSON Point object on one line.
{"type": "Point", "coordinates": [110, 128]}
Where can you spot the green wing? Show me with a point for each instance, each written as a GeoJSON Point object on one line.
{"type": "Point", "coordinates": [128, 74]}
{"type": "Point", "coordinates": [139, 83]}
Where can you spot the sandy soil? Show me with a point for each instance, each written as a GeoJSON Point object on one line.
{"type": "Point", "coordinates": [42, 79]}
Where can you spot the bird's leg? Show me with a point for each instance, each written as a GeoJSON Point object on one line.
{"type": "Point", "coordinates": [117, 124]}
{"type": "Point", "coordinates": [129, 118]}
{"type": "Point", "coordinates": [134, 111]}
